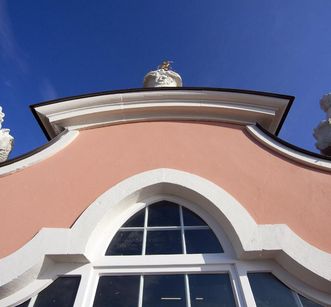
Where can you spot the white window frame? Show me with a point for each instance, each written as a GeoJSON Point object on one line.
{"type": "Point", "coordinates": [163, 264]}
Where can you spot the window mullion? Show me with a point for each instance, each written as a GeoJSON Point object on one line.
{"type": "Point", "coordinates": [247, 293]}
{"type": "Point", "coordinates": [32, 300]}
{"type": "Point", "coordinates": [131, 228]}
{"type": "Point", "coordinates": [297, 299]}
{"type": "Point", "coordinates": [87, 288]}
{"type": "Point", "coordinates": [163, 228]}
{"type": "Point", "coordinates": [145, 232]}
{"type": "Point", "coordinates": [182, 229]}
{"type": "Point", "coordinates": [141, 291]}
{"type": "Point", "coordinates": [187, 291]}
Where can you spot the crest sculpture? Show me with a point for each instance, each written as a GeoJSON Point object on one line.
{"type": "Point", "coordinates": [322, 132]}
{"type": "Point", "coordinates": [6, 140]}
{"type": "Point", "coordinates": [163, 77]}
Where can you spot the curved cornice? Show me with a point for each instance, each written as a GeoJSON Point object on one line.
{"type": "Point", "coordinates": [171, 104]}
{"type": "Point", "coordinates": [250, 240]}
{"type": "Point", "coordinates": [39, 154]}
{"type": "Point", "coordinates": [289, 151]}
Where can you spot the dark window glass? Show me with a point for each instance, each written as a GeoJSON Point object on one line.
{"type": "Point", "coordinates": [211, 290]}
{"type": "Point", "coordinates": [126, 243]}
{"type": "Point", "coordinates": [61, 293]}
{"type": "Point", "coordinates": [117, 291]}
{"type": "Point", "coordinates": [164, 290]}
{"type": "Point", "coordinates": [308, 303]}
{"type": "Point", "coordinates": [164, 242]}
{"type": "Point", "coordinates": [191, 219]}
{"type": "Point", "coordinates": [163, 213]}
{"type": "Point", "coordinates": [202, 241]}
{"type": "Point", "coordinates": [136, 220]}
{"type": "Point", "coordinates": [25, 304]}
{"type": "Point", "coordinates": [269, 291]}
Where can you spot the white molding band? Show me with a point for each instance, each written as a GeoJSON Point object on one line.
{"type": "Point", "coordinates": [184, 105]}
{"type": "Point", "coordinates": [290, 153]}
{"type": "Point", "coordinates": [250, 240]}
{"type": "Point", "coordinates": [65, 139]}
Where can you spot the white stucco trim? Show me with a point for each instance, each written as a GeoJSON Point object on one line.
{"type": "Point", "coordinates": [64, 140]}
{"type": "Point", "coordinates": [187, 105]}
{"type": "Point", "coordinates": [290, 153]}
{"type": "Point", "coordinates": [250, 240]}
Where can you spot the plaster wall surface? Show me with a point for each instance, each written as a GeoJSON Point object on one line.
{"type": "Point", "coordinates": [274, 190]}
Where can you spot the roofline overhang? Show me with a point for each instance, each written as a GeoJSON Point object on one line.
{"type": "Point", "coordinates": [163, 104]}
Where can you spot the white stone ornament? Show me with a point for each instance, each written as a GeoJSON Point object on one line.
{"type": "Point", "coordinates": [163, 77]}
{"type": "Point", "coordinates": [2, 115]}
{"type": "Point", "coordinates": [6, 140]}
{"type": "Point", "coordinates": [325, 103]}
{"type": "Point", "coordinates": [322, 132]}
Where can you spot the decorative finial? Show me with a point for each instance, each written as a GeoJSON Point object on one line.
{"type": "Point", "coordinates": [163, 77]}
{"type": "Point", "coordinates": [322, 132]}
{"type": "Point", "coordinates": [6, 140]}
{"type": "Point", "coordinates": [166, 65]}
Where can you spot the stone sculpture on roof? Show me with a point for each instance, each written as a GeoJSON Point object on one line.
{"type": "Point", "coordinates": [6, 140]}
{"type": "Point", "coordinates": [163, 77]}
{"type": "Point", "coordinates": [322, 132]}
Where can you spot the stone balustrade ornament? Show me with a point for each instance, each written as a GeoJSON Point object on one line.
{"type": "Point", "coordinates": [322, 132]}
{"type": "Point", "coordinates": [163, 77]}
{"type": "Point", "coordinates": [6, 140]}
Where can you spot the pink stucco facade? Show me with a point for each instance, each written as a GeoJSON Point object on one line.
{"type": "Point", "coordinates": [273, 189]}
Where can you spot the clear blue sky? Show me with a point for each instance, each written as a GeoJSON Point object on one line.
{"type": "Point", "coordinates": [58, 48]}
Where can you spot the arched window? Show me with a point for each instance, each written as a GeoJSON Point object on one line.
{"type": "Point", "coordinates": [164, 228]}
{"type": "Point", "coordinates": [169, 253]}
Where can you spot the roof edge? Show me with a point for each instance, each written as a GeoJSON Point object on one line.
{"type": "Point", "coordinates": [287, 150]}
{"type": "Point", "coordinates": [38, 154]}
{"type": "Point", "coordinates": [283, 110]}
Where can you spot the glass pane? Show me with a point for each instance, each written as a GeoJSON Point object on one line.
{"type": "Point", "coordinates": [126, 243]}
{"type": "Point", "coordinates": [308, 303]}
{"type": "Point", "coordinates": [164, 242]}
{"type": "Point", "coordinates": [163, 213]}
{"type": "Point", "coordinates": [137, 220]}
{"type": "Point", "coordinates": [25, 304]}
{"type": "Point", "coordinates": [61, 293]}
{"type": "Point", "coordinates": [191, 219]}
{"type": "Point", "coordinates": [202, 241]}
{"type": "Point", "coordinates": [211, 290]}
{"type": "Point", "coordinates": [269, 291]}
{"type": "Point", "coordinates": [117, 291]}
{"type": "Point", "coordinates": [164, 290]}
